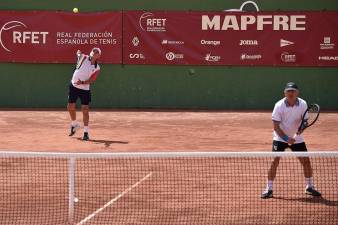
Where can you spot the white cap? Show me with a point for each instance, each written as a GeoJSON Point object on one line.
{"type": "Point", "coordinates": [97, 49]}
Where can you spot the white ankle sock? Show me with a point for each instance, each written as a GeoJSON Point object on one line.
{"type": "Point", "coordinates": [309, 181]}
{"type": "Point", "coordinates": [86, 129]}
{"type": "Point", "coordinates": [73, 123]}
{"type": "Point", "coordinates": [269, 185]}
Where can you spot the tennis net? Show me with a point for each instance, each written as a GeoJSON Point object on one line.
{"type": "Point", "coordinates": [195, 188]}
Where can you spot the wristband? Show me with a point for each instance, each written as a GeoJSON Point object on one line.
{"type": "Point", "coordinates": [285, 138]}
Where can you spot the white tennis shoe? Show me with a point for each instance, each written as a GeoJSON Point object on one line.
{"type": "Point", "coordinates": [73, 129]}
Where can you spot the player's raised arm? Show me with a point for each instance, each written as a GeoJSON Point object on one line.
{"type": "Point", "coordinates": [78, 54]}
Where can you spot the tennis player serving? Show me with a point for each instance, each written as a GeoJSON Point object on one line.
{"type": "Point", "coordinates": [85, 73]}
{"type": "Point", "coordinates": [288, 122]}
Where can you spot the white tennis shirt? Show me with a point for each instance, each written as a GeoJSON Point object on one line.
{"type": "Point", "coordinates": [84, 70]}
{"type": "Point", "coordinates": [290, 118]}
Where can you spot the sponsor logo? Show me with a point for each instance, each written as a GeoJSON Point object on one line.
{"type": "Point", "coordinates": [148, 22]}
{"type": "Point", "coordinates": [208, 42]}
{"type": "Point", "coordinates": [246, 7]}
{"type": "Point", "coordinates": [22, 37]}
{"type": "Point", "coordinates": [248, 42]}
{"type": "Point", "coordinates": [171, 56]}
{"type": "Point", "coordinates": [259, 22]}
{"type": "Point", "coordinates": [169, 42]}
{"type": "Point", "coordinates": [327, 44]}
{"type": "Point", "coordinates": [135, 41]}
{"type": "Point", "coordinates": [212, 58]}
{"type": "Point", "coordinates": [284, 43]}
{"type": "Point", "coordinates": [287, 57]}
{"type": "Point", "coordinates": [328, 58]}
{"type": "Point", "coordinates": [136, 56]}
{"type": "Point", "coordinates": [250, 57]}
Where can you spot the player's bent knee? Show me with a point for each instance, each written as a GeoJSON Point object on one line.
{"type": "Point", "coordinates": [71, 107]}
{"type": "Point", "coordinates": [276, 161]}
{"type": "Point", "coordinates": [85, 108]}
{"type": "Point", "coordinates": [304, 160]}
{"type": "Point", "coordinates": [306, 163]}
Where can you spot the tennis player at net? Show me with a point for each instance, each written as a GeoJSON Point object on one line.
{"type": "Point", "coordinates": [85, 73]}
{"type": "Point", "coordinates": [286, 118]}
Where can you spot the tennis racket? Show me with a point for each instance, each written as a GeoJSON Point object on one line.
{"type": "Point", "coordinates": [309, 117]}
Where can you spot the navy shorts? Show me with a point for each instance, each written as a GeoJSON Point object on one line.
{"type": "Point", "coordinates": [75, 93]}
{"type": "Point", "coordinates": [278, 146]}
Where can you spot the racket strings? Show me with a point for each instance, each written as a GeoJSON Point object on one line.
{"type": "Point", "coordinates": [312, 114]}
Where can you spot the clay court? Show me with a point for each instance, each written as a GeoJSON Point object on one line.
{"type": "Point", "coordinates": [113, 131]}
{"type": "Point", "coordinates": [179, 96]}
{"type": "Point", "coordinates": [165, 190]}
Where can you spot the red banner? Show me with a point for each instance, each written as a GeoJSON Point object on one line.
{"type": "Point", "coordinates": [231, 38]}
{"type": "Point", "coordinates": [54, 37]}
{"type": "Point", "coordinates": [175, 37]}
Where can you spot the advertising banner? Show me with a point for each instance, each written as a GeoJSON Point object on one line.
{"type": "Point", "coordinates": [54, 37]}
{"type": "Point", "coordinates": [231, 38]}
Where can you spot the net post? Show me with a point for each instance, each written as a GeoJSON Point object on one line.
{"type": "Point", "coordinates": [71, 181]}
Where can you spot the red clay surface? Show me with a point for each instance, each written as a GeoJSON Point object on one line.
{"type": "Point", "coordinates": [181, 191]}
{"type": "Point", "coordinates": [154, 131]}
{"type": "Point", "coordinates": [215, 191]}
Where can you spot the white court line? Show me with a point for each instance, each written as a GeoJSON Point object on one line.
{"type": "Point", "coordinates": [114, 199]}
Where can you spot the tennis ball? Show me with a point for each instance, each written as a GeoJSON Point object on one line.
{"type": "Point", "coordinates": [192, 71]}
{"type": "Point", "coordinates": [75, 10]}
{"type": "Point", "coordinates": [76, 200]}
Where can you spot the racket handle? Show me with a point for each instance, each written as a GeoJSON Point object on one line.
{"type": "Point", "coordinates": [296, 134]}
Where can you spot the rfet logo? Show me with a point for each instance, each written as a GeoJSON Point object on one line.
{"type": "Point", "coordinates": [148, 22]}
{"type": "Point", "coordinates": [288, 57]}
{"type": "Point", "coordinates": [13, 33]}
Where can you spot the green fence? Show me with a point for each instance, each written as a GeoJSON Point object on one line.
{"type": "Point", "coordinates": [220, 87]}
